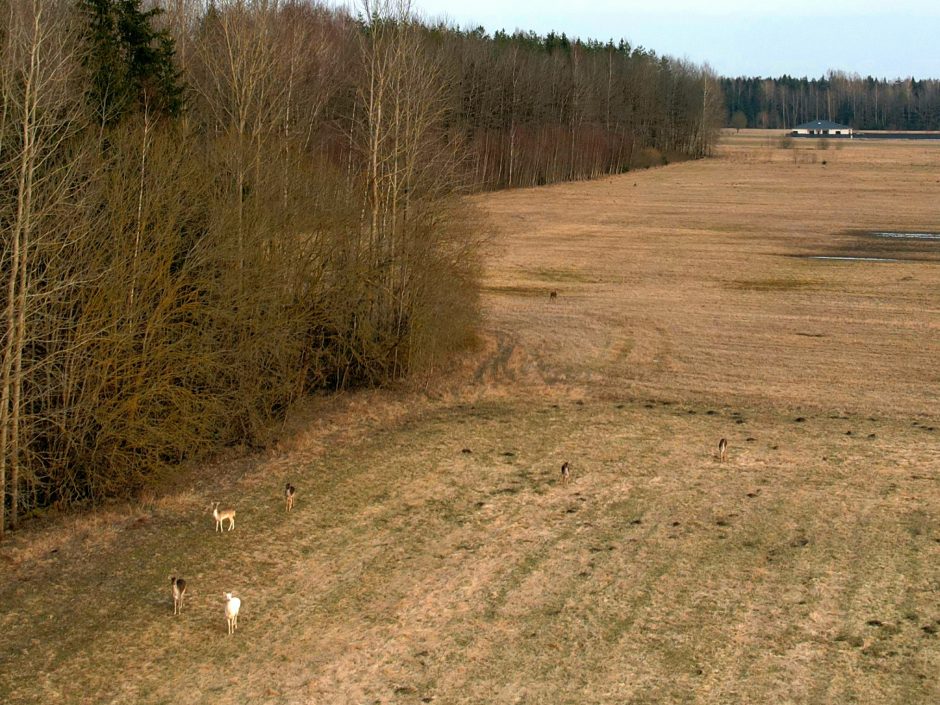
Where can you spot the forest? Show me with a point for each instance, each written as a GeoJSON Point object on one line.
{"type": "Point", "coordinates": [211, 210]}
{"type": "Point", "coordinates": [861, 103]}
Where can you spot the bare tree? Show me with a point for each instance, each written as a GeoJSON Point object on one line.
{"type": "Point", "coordinates": [240, 85]}
{"type": "Point", "coordinates": [39, 60]}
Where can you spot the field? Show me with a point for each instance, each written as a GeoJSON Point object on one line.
{"type": "Point", "coordinates": [434, 556]}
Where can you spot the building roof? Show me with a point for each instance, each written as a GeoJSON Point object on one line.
{"type": "Point", "coordinates": [821, 125]}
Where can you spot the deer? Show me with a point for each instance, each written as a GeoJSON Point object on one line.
{"type": "Point", "coordinates": [232, 606]}
{"type": "Point", "coordinates": [722, 450]}
{"type": "Point", "coordinates": [221, 515]}
{"type": "Point", "coordinates": [178, 586]}
{"type": "Point", "coordinates": [565, 472]}
{"type": "Point", "coordinates": [289, 491]}
{"type": "Point", "coordinates": [553, 296]}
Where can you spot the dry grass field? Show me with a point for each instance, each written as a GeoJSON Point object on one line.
{"type": "Point", "coordinates": [433, 555]}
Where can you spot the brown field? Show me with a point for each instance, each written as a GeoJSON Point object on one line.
{"type": "Point", "coordinates": [805, 569]}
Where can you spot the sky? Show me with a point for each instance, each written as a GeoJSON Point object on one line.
{"type": "Point", "coordinates": [881, 38]}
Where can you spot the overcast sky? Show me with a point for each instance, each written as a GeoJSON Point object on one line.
{"type": "Point", "coordinates": [883, 38]}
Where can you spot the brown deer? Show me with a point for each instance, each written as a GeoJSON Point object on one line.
{"type": "Point", "coordinates": [722, 450]}
{"type": "Point", "coordinates": [565, 472]}
{"type": "Point", "coordinates": [179, 589]}
{"type": "Point", "coordinates": [289, 491]}
{"type": "Point", "coordinates": [221, 515]}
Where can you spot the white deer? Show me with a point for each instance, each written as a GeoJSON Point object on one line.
{"type": "Point", "coordinates": [232, 605]}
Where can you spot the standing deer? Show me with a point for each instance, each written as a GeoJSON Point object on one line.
{"type": "Point", "coordinates": [722, 450]}
{"type": "Point", "coordinates": [232, 605]}
{"type": "Point", "coordinates": [289, 491]}
{"type": "Point", "coordinates": [179, 589]}
{"type": "Point", "coordinates": [565, 472]}
{"type": "Point", "coordinates": [223, 514]}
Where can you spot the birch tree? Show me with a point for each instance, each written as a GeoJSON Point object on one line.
{"type": "Point", "coordinates": [38, 61]}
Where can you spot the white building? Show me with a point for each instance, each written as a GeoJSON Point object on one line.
{"type": "Point", "coordinates": [822, 128]}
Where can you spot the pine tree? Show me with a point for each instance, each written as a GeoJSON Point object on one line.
{"type": "Point", "coordinates": [130, 64]}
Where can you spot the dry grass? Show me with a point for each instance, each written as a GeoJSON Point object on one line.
{"type": "Point", "coordinates": [803, 570]}
{"type": "Point", "coordinates": [698, 286]}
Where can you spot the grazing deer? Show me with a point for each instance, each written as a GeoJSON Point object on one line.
{"type": "Point", "coordinates": [289, 491]}
{"type": "Point", "coordinates": [179, 589]}
{"type": "Point", "coordinates": [565, 472]}
{"type": "Point", "coordinates": [223, 514]}
{"type": "Point", "coordinates": [722, 450]}
{"type": "Point", "coordinates": [232, 605]}
{"type": "Point", "coordinates": [553, 295]}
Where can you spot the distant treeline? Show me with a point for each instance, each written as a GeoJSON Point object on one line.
{"type": "Point", "coordinates": [862, 103]}
{"type": "Point", "coordinates": [210, 210]}
{"type": "Point", "coordinates": [537, 109]}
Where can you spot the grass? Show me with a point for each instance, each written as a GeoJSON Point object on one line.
{"type": "Point", "coordinates": [773, 284]}
{"type": "Point", "coordinates": [558, 274]}
{"type": "Point", "coordinates": [532, 291]}
{"type": "Point", "coordinates": [803, 570]}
